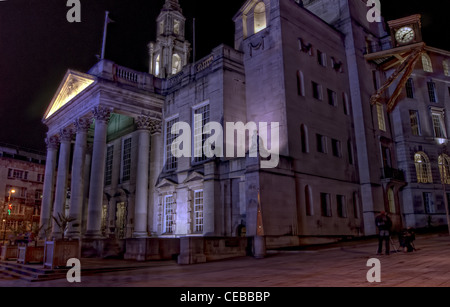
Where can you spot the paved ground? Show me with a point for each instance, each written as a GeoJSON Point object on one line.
{"type": "Point", "coordinates": [342, 265]}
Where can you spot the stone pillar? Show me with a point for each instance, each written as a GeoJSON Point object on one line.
{"type": "Point", "coordinates": [86, 180]}
{"type": "Point", "coordinates": [156, 165]}
{"type": "Point", "coordinates": [141, 202]}
{"type": "Point", "coordinates": [49, 184]}
{"type": "Point", "coordinates": [62, 178]}
{"type": "Point", "coordinates": [96, 186]}
{"type": "Point", "coordinates": [77, 196]}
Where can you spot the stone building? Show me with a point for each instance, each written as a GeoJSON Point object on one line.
{"type": "Point", "coordinates": [21, 181]}
{"type": "Point", "coordinates": [305, 70]}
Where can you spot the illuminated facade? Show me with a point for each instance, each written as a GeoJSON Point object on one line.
{"type": "Point", "coordinates": [310, 66]}
{"type": "Point", "coordinates": [21, 182]}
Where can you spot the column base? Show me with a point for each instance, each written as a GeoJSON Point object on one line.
{"type": "Point", "coordinates": [140, 235]}
{"type": "Point", "coordinates": [93, 235]}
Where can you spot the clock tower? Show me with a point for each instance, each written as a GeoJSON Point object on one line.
{"type": "Point", "coordinates": [170, 53]}
{"type": "Point", "coordinates": [406, 31]}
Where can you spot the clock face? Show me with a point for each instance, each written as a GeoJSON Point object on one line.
{"type": "Point", "coordinates": [405, 35]}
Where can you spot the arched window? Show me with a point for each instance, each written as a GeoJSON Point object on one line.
{"type": "Point", "coordinates": [426, 62]}
{"type": "Point", "coordinates": [157, 65]}
{"type": "Point", "coordinates": [423, 168]}
{"type": "Point", "coordinates": [446, 66]}
{"type": "Point", "coordinates": [444, 168]}
{"type": "Point", "coordinates": [309, 201]}
{"type": "Point", "coordinates": [304, 138]}
{"type": "Point", "coordinates": [260, 17]}
{"type": "Point", "coordinates": [391, 200]}
{"type": "Point", "coordinates": [176, 64]}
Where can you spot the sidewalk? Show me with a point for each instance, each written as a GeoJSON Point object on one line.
{"type": "Point", "coordinates": [342, 265]}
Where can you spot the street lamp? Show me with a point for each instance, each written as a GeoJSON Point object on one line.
{"type": "Point", "coordinates": [11, 191]}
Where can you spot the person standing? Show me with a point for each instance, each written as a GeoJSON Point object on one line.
{"type": "Point", "coordinates": [384, 224]}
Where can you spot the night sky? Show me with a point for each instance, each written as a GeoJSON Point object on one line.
{"type": "Point", "coordinates": [38, 45]}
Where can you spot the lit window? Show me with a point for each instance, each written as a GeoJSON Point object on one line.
{"type": "Point", "coordinates": [423, 169]}
{"type": "Point", "coordinates": [176, 26]}
{"type": "Point", "coordinates": [432, 91]}
{"type": "Point", "coordinates": [168, 213]}
{"type": "Point", "coordinates": [171, 160]}
{"type": "Point", "coordinates": [260, 17]}
{"type": "Point", "coordinates": [381, 118]}
{"type": "Point", "coordinates": [157, 65]}
{"type": "Point", "coordinates": [126, 160]}
{"type": "Point", "coordinates": [444, 168]}
{"type": "Point", "coordinates": [415, 122]}
{"type": "Point", "coordinates": [198, 211]}
{"type": "Point", "coordinates": [201, 118]}
{"type": "Point", "coordinates": [391, 200]}
{"type": "Point", "coordinates": [446, 66]}
{"type": "Point", "coordinates": [176, 64]}
{"type": "Point", "coordinates": [439, 125]}
{"type": "Point", "coordinates": [426, 62]}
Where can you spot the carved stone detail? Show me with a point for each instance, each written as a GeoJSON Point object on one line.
{"type": "Point", "coordinates": [102, 114]}
{"type": "Point", "coordinates": [66, 135]}
{"type": "Point", "coordinates": [52, 142]}
{"type": "Point", "coordinates": [82, 124]}
{"type": "Point", "coordinates": [155, 126]}
{"type": "Point", "coordinates": [143, 122]}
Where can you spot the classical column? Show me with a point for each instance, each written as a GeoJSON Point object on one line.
{"type": "Point", "coordinates": [156, 162]}
{"type": "Point", "coordinates": [141, 203]}
{"type": "Point", "coordinates": [49, 184]}
{"type": "Point", "coordinates": [76, 191]}
{"type": "Point", "coordinates": [86, 181]}
{"type": "Point", "coordinates": [62, 178]}
{"type": "Point", "coordinates": [94, 220]}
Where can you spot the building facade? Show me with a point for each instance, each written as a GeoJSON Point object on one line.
{"type": "Point", "coordinates": [22, 177]}
{"type": "Point", "coordinates": [132, 147]}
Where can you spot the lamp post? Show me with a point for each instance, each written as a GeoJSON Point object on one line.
{"type": "Point", "coordinates": [11, 191]}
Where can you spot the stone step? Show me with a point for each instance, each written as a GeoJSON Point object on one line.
{"type": "Point", "coordinates": [31, 273]}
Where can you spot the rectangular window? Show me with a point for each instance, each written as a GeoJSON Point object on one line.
{"type": "Point", "coordinates": [336, 147]}
{"type": "Point", "coordinates": [439, 126]}
{"type": "Point", "coordinates": [126, 160]}
{"type": "Point", "coordinates": [168, 213]}
{"type": "Point", "coordinates": [432, 91]}
{"type": "Point", "coordinates": [428, 202]}
{"type": "Point", "coordinates": [322, 58]}
{"type": "Point", "coordinates": [341, 206]}
{"type": "Point", "coordinates": [201, 118]}
{"type": "Point", "coordinates": [171, 160]}
{"type": "Point", "coordinates": [325, 204]}
{"type": "Point", "coordinates": [415, 122]}
{"type": "Point", "coordinates": [332, 98]}
{"type": "Point", "coordinates": [346, 104]}
{"type": "Point", "coordinates": [321, 143]}
{"type": "Point", "coordinates": [17, 174]}
{"type": "Point", "coordinates": [375, 80]}
{"type": "Point", "coordinates": [198, 211]}
{"type": "Point", "coordinates": [410, 88]}
{"type": "Point", "coordinates": [40, 177]}
{"type": "Point", "coordinates": [109, 165]}
{"type": "Point", "coordinates": [317, 91]}
{"type": "Point", "coordinates": [381, 118]}
{"type": "Point", "coordinates": [300, 83]}
{"type": "Point", "coordinates": [350, 151]}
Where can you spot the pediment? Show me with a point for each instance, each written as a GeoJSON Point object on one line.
{"type": "Point", "coordinates": [72, 85]}
{"type": "Point", "coordinates": [165, 183]}
{"type": "Point", "coordinates": [194, 176]}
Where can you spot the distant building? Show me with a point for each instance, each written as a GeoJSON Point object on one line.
{"type": "Point", "coordinates": [21, 171]}
{"type": "Point", "coordinates": [308, 68]}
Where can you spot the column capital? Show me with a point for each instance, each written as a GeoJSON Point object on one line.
{"type": "Point", "coordinates": [155, 126]}
{"type": "Point", "coordinates": [145, 122]}
{"type": "Point", "coordinates": [65, 135]}
{"type": "Point", "coordinates": [82, 124]}
{"type": "Point", "coordinates": [52, 142]}
{"type": "Point", "coordinates": [102, 113]}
